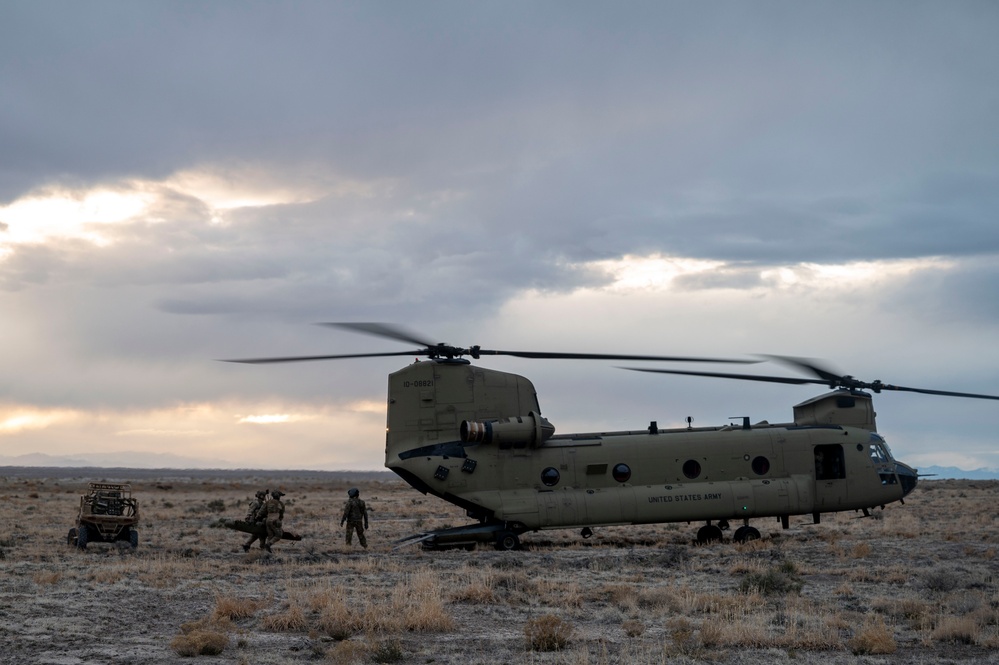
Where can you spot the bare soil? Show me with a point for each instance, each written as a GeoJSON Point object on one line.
{"type": "Point", "coordinates": [916, 583]}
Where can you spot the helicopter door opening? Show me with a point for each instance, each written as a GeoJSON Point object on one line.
{"type": "Point", "coordinates": [829, 462]}
{"type": "Point", "coordinates": [830, 476]}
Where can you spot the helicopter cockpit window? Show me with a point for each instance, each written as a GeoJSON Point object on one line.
{"type": "Point", "coordinates": [879, 453]}
{"type": "Point", "coordinates": [622, 473]}
{"type": "Point", "coordinates": [761, 465]}
{"type": "Point", "coordinates": [550, 476]}
{"type": "Point", "coordinates": [692, 469]}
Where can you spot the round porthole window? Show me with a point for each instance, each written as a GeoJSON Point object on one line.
{"type": "Point", "coordinates": [550, 476]}
{"type": "Point", "coordinates": [622, 473]}
{"type": "Point", "coordinates": [692, 469]}
{"type": "Point", "coordinates": [761, 465]}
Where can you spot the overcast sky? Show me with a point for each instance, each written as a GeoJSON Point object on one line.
{"type": "Point", "coordinates": [182, 182]}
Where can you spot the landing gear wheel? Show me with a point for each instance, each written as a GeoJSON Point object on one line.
{"type": "Point", "coordinates": [744, 534]}
{"type": "Point", "coordinates": [507, 540]}
{"type": "Point", "coordinates": [708, 534]}
{"type": "Point", "coordinates": [71, 538]}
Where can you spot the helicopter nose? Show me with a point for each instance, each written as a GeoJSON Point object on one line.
{"type": "Point", "coordinates": [907, 477]}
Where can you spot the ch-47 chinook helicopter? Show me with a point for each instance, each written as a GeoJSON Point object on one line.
{"type": "Point", "coordinates": [475, 437]}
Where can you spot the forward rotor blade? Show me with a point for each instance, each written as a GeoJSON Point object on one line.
{"type": "Point", "coordinates": [295, 359]}
{"type": "Point", "coordinates": [724, 375]}
{"type": "Point", "coordinates": [381, 330]}
{"type": "Point", "coordinates": [610, 356]}
{"type": "Point", "coordinates": [927, 391]}
{"type": "Point", "coordinates": [834, 381]}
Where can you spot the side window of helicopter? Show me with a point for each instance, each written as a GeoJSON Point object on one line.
{"type": "Point", "coordinates": [692, 469]}
{"type": "Point", "coordinates": [761, 465]}
{"type": "Point", "coordinates": [550, 476]}
{"type": "Point", "coordinates": [621, 473]}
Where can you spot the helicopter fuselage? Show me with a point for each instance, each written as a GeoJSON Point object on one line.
{"type": "Point", "coordinates": [475, 437]}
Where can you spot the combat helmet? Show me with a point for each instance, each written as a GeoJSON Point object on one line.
{"type": "Point", "coordinates": [353, 493]}
{"type": "Point", "coordinates": [277, 494]}
{"type": "Point", "coordinates": [261, 494]}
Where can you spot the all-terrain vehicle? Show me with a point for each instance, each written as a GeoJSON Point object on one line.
{"type": "Point", "coordinates": [108, 514]}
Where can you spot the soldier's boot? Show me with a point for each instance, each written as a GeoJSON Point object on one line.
{"type": "Point", "coordinates": [268, 548]}
{"type": "Point", "coordinates": [246, 548]}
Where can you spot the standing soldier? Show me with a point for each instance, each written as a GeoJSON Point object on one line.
{"type": "Point", "coordinates": [273, 513]}
{"type": "Point", "coordinates": [355, 514]}
{"type": "Point", "coordinates": [253, 516]}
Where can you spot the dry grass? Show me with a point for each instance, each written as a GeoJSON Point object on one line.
{"type": "Point", "coordinates": [235, 608]}
{"type": "Point", "coordinates": [921, 578]}
{"type": "Point", "coordinates": [874, 638]}
{"type": "Point", "coordinates": [547, 633]}
{"type": "Point", "coordinates": [201, 638]}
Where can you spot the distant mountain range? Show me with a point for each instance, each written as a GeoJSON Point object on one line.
{"type": "Point", "coordinates": [136, 460]}
{"type": "Point", "coordinates": [946, 472]}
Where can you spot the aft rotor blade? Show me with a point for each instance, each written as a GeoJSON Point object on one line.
{"type": "Point", "coordinates": [809, 365]}
{"type": "Point", "coordinates": [724, 375]}
{"type": "Point", "coordinates": [609, 356]}
{"type": "Point", "coordinates": [382, 330]}
{"type": "Point", "coordinates": [295, 359]}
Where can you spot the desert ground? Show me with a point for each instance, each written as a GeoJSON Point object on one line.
{"type": "Point", "coordinates": [916, 583]}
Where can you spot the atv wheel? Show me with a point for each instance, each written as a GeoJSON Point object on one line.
{"type": "Point", "coordinates": [71, 538]}
{"type": "Point", "coordinates": [133, 538]}
{"type": "Point", "coordinates": [82, 536]}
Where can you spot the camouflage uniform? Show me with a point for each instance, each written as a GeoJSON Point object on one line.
{"type": "Point", "coordinates": [273, 513]}
{"type": "Point", "coordinates": [253, 515]}
{"type": "Point", "coordinates": [355, 515]}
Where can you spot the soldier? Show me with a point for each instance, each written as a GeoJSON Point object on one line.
{"type": "Point", "coordinates": [273, 513]}
{"type": "Point", "coordinates": [355, 514]}
{"type": "Point", "coordinates": [253, 516]}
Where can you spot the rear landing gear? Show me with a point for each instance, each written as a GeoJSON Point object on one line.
{"type": "Point", "coordinates": [711, 533]}
{"type": "Point", "coordinates": [507, 540]}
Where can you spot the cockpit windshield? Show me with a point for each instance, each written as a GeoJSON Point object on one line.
{"type": "Point", "coordinates": [882, 460]}
{"type": "Point", "coordinates": [880, 453]}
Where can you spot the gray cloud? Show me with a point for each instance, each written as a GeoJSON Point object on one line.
{"type": "Point", "coordinates": [464, 159]}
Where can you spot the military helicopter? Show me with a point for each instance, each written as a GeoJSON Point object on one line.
{"type": "Point", "coordinates": [476, 438]}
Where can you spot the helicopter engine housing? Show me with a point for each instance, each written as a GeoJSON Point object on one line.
{"type": "Point", "coordinates": [530, 430]}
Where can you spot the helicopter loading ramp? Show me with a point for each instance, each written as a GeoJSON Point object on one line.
{"type": "Point", "coordinates": [463, 537]}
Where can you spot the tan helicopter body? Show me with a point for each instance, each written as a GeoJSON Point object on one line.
{"type": "Point", "coordinates": [475, 437]}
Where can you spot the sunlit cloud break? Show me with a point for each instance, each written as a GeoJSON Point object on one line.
{"type": "Point", "coordinates": [70, 214]}
{"type": "Point", "coordinates": [22, 420]}
{"type": "Point", "coordinates": [164, 432]}
{"type": "Point", "coordinates": [656, 272]}
{"type": "Point", "coordinates": [270, 419]}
